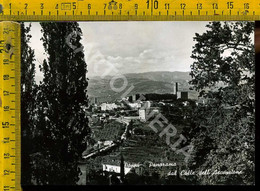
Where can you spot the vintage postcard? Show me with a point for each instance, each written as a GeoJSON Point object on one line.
{"type": "Point", "coordinates": [138, 103]}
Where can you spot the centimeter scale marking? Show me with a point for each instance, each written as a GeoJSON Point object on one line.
{"type": "Point", "coordinates": [78, 10]}
{"type": "Point", "coordinates": [9, 106]}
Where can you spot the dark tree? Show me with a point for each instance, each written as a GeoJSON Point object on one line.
{"type": "Point", "coordinates": [223, 132]}
{"type": "Point", "coordinates": [62, 103]}
{"type": "Point", "coordinates": [28, 103]}
{"type": "Point", "coordinates": [132, 178]}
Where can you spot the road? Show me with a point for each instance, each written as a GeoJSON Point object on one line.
{"type": "Point", "coordinates": [112, 145]}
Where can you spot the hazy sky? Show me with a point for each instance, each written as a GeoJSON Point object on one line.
{"type": "Point", "coordinates": [132, 47]}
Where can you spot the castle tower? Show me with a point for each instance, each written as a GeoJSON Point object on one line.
{"type": "Point", "coordinates": [175, 88]}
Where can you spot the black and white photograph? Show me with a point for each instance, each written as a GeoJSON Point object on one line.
{"type": "Point", "coordinates": [138, 103]}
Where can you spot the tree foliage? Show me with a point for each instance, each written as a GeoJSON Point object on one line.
{"type": "Point", "coordinates": [62, 124]}
{"type": "Point", "coordinates": [28, 103]}
{"type": "Point", "coordinates": [223, 132]}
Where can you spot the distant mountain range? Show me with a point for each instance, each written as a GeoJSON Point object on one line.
{"type": "Point", "coordinates": [143, 83]}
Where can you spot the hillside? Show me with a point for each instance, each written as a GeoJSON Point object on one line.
{"type": "Point", "coordinates": [149, 82]}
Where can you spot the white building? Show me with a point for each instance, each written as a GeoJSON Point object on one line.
{"type": "Point", "coordinates": [104, 143]}
{"type": "Point", "coordinates": [108, 106]}
{"type": "Point", "coordinates": [135, 105]}
{"type": "Point", "coordinates": [134, 98]}
{"type": "Point", "coordinates": [103, 106]}
{"type": "Point", "coordinates": [114, 168]}
{"type": "Point", "coordinates": [178, 95]}
{"type": "Point", "coordinates": [142, 114]}
{"type": "Point", "coordinates": [147, 104]}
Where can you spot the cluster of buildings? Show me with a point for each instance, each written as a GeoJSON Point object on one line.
{"type": "Point", "coordinates": [132, 106]}
{"type": "Point", "coordinates": [108, 106]}
{"type": "Point", "coordinates": [133, 99]}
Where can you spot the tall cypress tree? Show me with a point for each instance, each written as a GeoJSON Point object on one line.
{"type": "Point", "coordinates": [28, 104]}
{"type": "Point", "coordinates": [62, 100]}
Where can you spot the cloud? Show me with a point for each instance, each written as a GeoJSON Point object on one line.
{"type": "Point", "coordinates": [147, 60]}
{"type": "Point", "coordinates": [130, 47]}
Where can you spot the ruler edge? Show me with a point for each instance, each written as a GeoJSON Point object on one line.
{"type": "Point", "coordinates": [18, 108]}
{"type": "Point", "coordinates": [118, 18]}
{"type": "Point", "coordinates": [17, 185]}
{"type": "Point", "coordinates": [253, 16]}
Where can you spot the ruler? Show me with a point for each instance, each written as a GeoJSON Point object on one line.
{"type": "Point", "coordinates": [9, 106]}
{"type": "Point", "coordinates": [90, 10]}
